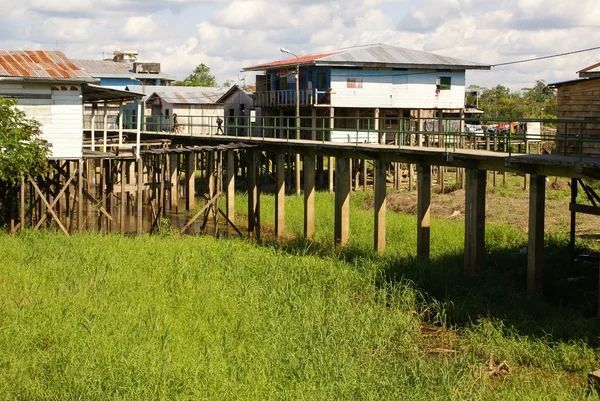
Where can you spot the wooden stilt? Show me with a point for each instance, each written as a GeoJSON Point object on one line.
{"type": "Point", "coordinates": [309, 196]}
{"type": "Point", "coordinates": [123, 204]}
{"type": "Point", "coordinates": [251, 179]}
{"type": "Point", "coordinates": [423, 211]}
{"type": "Point", "coordinates": [475, 221]}
{"type": "Point", "coordinates": [342, 201]}
{"type": "Point", "coordinates": [330, 169]}
{"type": "Point", "coordinates": [380, 206]}
{"type": "Point", "coordinates": [190, 183]}
{"type": "Point", "coordinates": [279, 194]}
{"type": "Point", "coordinates": [22, 203]}
{"type": "Point", "coordinates": [139, 188]}
{"type": "Point", "coordinates": [174, 181]}
{"type": "Point", "coordinates": [535, 250]}
{"type": "Point", "coordinates": [230, 185]}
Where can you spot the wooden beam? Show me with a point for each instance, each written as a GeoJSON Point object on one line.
{"type": "Point", "coordinates": [190, 183]}
{"type": "Point", "coordinates": [585, 209]}
{"type": "Point", "coordinates": [309, 196]}
{"type": "Point", "coordinates": [140, 187]}
{"type": "Point", "coordinates": [535, 250]}
{"type": "Point", "coordinates": [123, 204]}
{"type": "Point", "coordinates": [475, 221]}
{"type": "Point", "coordinates": [174, 180]}
{"type": "Point", "coordinates": [423, 211]}
{"type": "Point", "coordinates": [49, 208]}
{"type": "Point", "coordinates": [342, 201]}
{"type": "Point", "coordinates": [252, 180]}
{"type": "Point", "coordinates": [200, 212]}
{"type": "Point", "coordinates": [380, 205]}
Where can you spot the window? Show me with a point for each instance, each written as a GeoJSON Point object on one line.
{"type": "Point", "coordinates": [444, 83]}
{"type": "Point", "coordinates": [354, 83]}
{"type": "Point", "coordinates": [321, 80]}
{"type": "Point", "coordinates": [231, 116]}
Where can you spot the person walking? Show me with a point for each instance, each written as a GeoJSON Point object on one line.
{"type": "Point", "coordinates": [220, 125]}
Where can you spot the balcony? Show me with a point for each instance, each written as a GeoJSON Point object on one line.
{"type": "Point", "coordinates": [287, 98]}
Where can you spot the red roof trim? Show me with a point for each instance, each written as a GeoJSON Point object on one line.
{"type": "Point", "coordinates": [292, 61]}
{"type": "Point", "coordinates": [591, 67]}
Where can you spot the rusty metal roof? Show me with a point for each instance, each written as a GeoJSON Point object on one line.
{"type": "Point", "coordinates": [593, 71]}
{"type": "Point", "coordinates": [41, 64]}
{"type": "Point", "coordinates": [188, 94]}
{"type": "Point", "coordinates": [377, 55]}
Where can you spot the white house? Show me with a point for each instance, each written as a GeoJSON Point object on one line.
{"type": "Point", "coordinates": [363, 87]}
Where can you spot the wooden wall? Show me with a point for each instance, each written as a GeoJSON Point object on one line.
{"type": "Point", "coordinates": [579, 100]}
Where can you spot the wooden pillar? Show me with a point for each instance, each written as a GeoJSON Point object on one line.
{"type": "Point", "coordinates": [364, 174]}
{"type": "Point", "coordinates": [573, 223]}
{"type": "Point", "coordinates": [330, 162]}
{"type": "Point", "coordinates": [230, 185]}
{"type": "Point", "coordinates": [475, 221]}
{"type": "Point", "coordinates": [190, 183]}
{"type": "Point", "coordinates": [380, 205]}
{"type": "Point", "coordinates": [123, 205]}
{"type": "Point", "coordinates": [309, 196]}
{"type": "Point", "coordinates": [423, 211]}
{"type": "Point", "coordinates": [173, 181]}
{"type": "Point", "coordinates": [380, 136]}
{"type": "Point", "coordinates": [314, 124]}
{"type": "Point", "coordinates": [139, 188]}
{"type": "Point", "coordinates": [279, 194]}
{"type": "Point", "coordinates": [253, 195]}
{"type": "Point", "coordinates": [22, 202]}
{"type": "Point", "coordinates": [210, 175]}
{"type": "Point", "coordinates": [342, 201]}
{"type": "Point", "coordinates": [535, 250]}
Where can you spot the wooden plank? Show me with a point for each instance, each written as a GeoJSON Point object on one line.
{"type": "Point", "coordinates": [200, 212]}
{"type": "Point", "coordinates": [139, 195]}
{"type": "Point", "coordinates": [585, 209]}
{"type": "Point", "coordinates": [49, 208]}
{"type": "Point", "coordinates": [342, 201]}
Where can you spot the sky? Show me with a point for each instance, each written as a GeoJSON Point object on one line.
{"type": "Point", "coordinates": [228, 35]}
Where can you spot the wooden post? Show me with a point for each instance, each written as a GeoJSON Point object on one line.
{"type": "Point", "coordinates": [535, 250]}
{"type": "Point", "coordinates": [252, 179]}
{"type": "Point", "coordinates": [22, 203]}
{"type": "Point", "coordinates": [380, 136]}
{"type": "Point", "coordinates": [342, 201]}
{"type": "Point", "coordinates": [173, 181]}
{"type": "Point", "coordinates": [364, 174]}
{"type": "Point", "coordinates": [230, 185]}
{"type": "Point", "coordinates": [330, 162]}
{"type": "Point", "coordinates": [210, 176]}
{"type": "Point", "coordinates": [475, 221]}
{"type": "Point", "coordinates": [573, 223]}
{"type": "Point", "coordinates": [80, 222]}
{"type": "Point", "coordinates": [123, 205]}
{"type": "Point", "coordinates": [140, 187]}
{"type": "Point", "coordinates": [309, 196]}
{"type": "Point", "coordinates": [380, 206]}
{"type": "Point", "coordinates": [279, 194]}
{"type": "Point", "coordinates": [330, 169]}
{"type": "Point", "coordinates": [423, 211]}
{"type": "Point", "coordinates": [190, 183]}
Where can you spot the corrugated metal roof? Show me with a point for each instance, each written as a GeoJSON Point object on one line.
{"type": "Point", "coordinates": [593, 71]}
{"type": "Point", "coordinates": [95, 67]}
{"type": "Point", "coordinates": [378, 55]}
{"type": "Point", "coordinates": [38, 64]}
{"type": "Point", "coordinates": [189, 94]}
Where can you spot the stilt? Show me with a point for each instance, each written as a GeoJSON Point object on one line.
{"type": "Point", "coordinates": [342, 201]}
{"type": "Point", "coordinates": [123, 204]}
{"type": "Point", "coordinates": [573, 223]}
{"type": "Point", "coordinates": [475, 221]}
{"type": "Point", "coordinates": [535, 250]}
{"type": "Point", "coordinates": [380, 206]}
{"type": "Point", "coordinates": [230, 185]}
{"type": "Point", "coordinates": [139, 187]}
{"type": "Point", "coordinates": [190, 183]}
{"type": "Point", "coordinates": [22, 203]}
{"type": "Point", "coordinates": [364, 174]}
{"type": "Point", "coordinates": [251, 179]}
{"type": "Point", "coordinates": [309, 196]}
{"type": "Point", "coordinates": [279, 194]}
{"type": "Point", "coordinates": [330, 167]}
{"type": "Point", "coordinates": [423, 211]}
{"type": "Point", "coordinates": [173, 180]}
{"type": "Point", "coordinates": [80, 222]}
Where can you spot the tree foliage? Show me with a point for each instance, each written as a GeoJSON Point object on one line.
{"type": "Point", "coordinates": [22, 150]}
{"type": "Point", "coordinates": [536, 102]}
{"type": "Point", "coordinates": [200, 77]}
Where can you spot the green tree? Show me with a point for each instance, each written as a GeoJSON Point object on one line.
{"type": "Point", "coordinates": [22, 150]}
{"type": "Point", "coordinates": [200, 77]}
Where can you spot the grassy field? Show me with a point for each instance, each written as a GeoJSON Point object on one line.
{"type": "Point", "coordinates": [105, 317]}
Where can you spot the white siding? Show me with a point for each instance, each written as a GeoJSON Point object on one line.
{"type": "Point", "coordinates": [396, 89]}
{"type": "Point", "coordinates": [61, 119]}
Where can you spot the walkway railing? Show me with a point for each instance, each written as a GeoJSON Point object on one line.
{"type": "Point", "coordinates": [580, 138]}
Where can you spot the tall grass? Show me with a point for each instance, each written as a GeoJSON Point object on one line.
{"type": "Point", "coordinates": [105, 317]}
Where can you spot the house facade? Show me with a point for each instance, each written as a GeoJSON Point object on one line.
{"type": "Point", "coordinates": [48, 87]}
{"type": "Point", "coordinates": [364, 88]}
{"type": "Point", "coordinates": [193, 108]}
{"type": "Point", "coordinates": [241, 116]}
{"type": "Point", "coordinates": [578, 99]}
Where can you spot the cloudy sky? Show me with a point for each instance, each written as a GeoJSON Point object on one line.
{"type": "Point", "coordinates": [228, 35]}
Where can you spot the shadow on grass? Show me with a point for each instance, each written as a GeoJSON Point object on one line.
{"type": "Point", "coordinates": [567, 311]}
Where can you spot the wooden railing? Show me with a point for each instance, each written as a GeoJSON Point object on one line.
{"type": "Point", "coordinates": [281, 98]}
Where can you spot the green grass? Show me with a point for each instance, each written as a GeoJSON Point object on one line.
{"type": "Point", "coordinates": [95, 317]}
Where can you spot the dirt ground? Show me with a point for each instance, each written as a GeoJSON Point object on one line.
{"type": "Point", "coordinates": [505, 204]}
